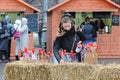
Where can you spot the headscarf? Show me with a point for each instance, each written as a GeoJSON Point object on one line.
{"type": "Point", "coordinates": [17, 24]}
{"type": "Point", "coordinates": [24, 21]}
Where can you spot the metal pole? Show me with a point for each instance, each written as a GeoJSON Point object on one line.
{"type": "Point", "coordinates": [44, 29]}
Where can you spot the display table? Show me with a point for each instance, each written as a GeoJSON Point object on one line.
{"type": "Point", "coordinates": [23, 70]}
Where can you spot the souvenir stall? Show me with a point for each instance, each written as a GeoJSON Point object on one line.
{"type": "Point", "coordinates": [39, 65]}
{"type": "Point", "coordinates": [10, 8]}
{"type": "Point", "coordinates": [108, 42]}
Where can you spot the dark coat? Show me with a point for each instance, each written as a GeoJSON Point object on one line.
{"type": "Point", "coordinates": [3, 41]}
{"type": "Point", "coordinates": [10, 28]}
{"type": "Point", "coordinates": [65, 42]}
{"type": "Point", "coordinates": [95, 28]}
{"type": "Point", "coordinates": [88, 31]}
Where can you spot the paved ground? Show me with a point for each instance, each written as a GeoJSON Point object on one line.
{"type": "Point", "coordinates": [2, 65]}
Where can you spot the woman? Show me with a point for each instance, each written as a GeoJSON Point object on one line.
{"type": "Point", "coordinates": [67, 38]}
{"type": "Point", "coordinates": [17, 25]}
{"type": "Point", "coordinates": [10, 30]}
{"type": "Point", "coordinates": [24, 34]}
{"type": "Point", "coordinates": [3, 42]}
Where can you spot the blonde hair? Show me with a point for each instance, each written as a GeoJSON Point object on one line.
{"type": "Point", "coordinates": [65, 19]}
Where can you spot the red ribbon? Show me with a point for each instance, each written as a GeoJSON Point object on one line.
{"type": "Point", "coordinates": [26, 50]}
{"type": "Point", "coordinates": [72, 54]}
{"type": "Point", "coordinates": [61, 53]}
{"type": "Point", "coordinates": [89, 45]}
{"type": "Point", "coordinates": [33, 50]}
{"type": "Point", "coordinates": [64, 52]}
{"type": "Point", "coordinates": [49, 53]}
{"type": "Point", "coordinates": [39, 51]}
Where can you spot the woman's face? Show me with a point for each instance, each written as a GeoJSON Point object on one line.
{"type": "Point", "coordinates": [66, 26]}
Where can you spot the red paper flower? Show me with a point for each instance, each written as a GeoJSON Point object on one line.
{"type": "Point", "coordinates": [64, 52]}
{"type": "Point", "coordinates": [89, 45]}
{"type": "Point", "coordinates": [72, 54]}
{"type": "Point", "coordinates": [49, 53]}
{"type": "Point", "coordinates": [26, 50]}
{"type": "Point", "coordinates": [33, 50]}
{"type": "Point", "coordinates": [39, 51]}
{"type": "Point", "coordinates": [61, 53]}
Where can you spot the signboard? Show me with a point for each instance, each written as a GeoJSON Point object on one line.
{"type": "Point", "coordinates": [101, 15]}
{"type": "Point", "coordinates": [115, 20]}
{"type": "Point", "coordinates": [32, 22]}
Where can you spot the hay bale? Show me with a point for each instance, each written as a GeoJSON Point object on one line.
{"type": "Point", "coordinates": [31, 70]}
{"type": "Point", "coordinates": [43, 71]}
{"type": "Point", "coordinates": [27, 71]}
{"type": "Point", "coordinates": [72, 71]}
{"type": "Point", "coordinates": [108, 72]}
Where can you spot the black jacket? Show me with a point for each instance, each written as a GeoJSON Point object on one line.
{"type": "Point", "coordinates": [3, 41]}
{"type": "Point", "coordinates": [65, 42]}
{"type": "Point", "coordinates": [95, 28]}
{"type": "Point", "coordinates": [88, 31]}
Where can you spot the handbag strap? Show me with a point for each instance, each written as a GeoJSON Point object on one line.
{"type": "Point", "coordinates": [16, 29]}
{"type": "Point", "coordinates": [73, 42]}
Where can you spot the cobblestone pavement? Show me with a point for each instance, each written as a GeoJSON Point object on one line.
{"type": "Point", "coordinates": [2, 66]}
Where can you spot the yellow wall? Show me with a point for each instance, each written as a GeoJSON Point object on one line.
{"type": "Point", "coordinates": [13, 16]}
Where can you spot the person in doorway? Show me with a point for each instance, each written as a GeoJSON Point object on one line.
{"type": "Point", "coordinates": [18, 16]}
{"type": "Point", "coordinates": [66, 38]}
{"type": "Point", "coordinates": [100, 25]}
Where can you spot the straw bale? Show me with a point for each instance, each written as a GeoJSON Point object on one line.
{"type": "Point", "coordinates": [43, 71]}
{"type": "Point", "coordinates": [72, 71]}
{"type": "Point", "coordinates": [108, 72]}
{"type": "Point", "coordinates": [27, 71]}
{"type": "Point", "coordinates": [32, 70]}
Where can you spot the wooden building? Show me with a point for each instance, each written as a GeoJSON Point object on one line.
{"type": "Point", "coordinates": [12, 8]}
{"type": "Point", "coordinates": [109, 43]}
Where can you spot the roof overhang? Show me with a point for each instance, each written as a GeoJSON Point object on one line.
{"type": "Point", "coordinates": [118, 6]}
{"type": "Point", "coordinates": [95, 10]}
{"type": "Point", "coordinates": [13, 10]}
{"type": "Point", "coordinates": [35, 9]}
{"type": "Point", "coordinates": [64, 2]}
{"type": "Point", "coordinates": [50, 9]}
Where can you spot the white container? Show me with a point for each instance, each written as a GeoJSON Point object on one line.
{"type": "Point", "coordinates": [106, 29]}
